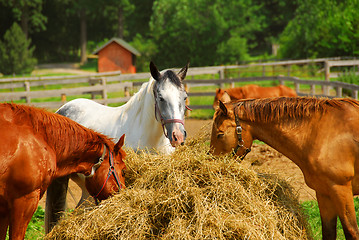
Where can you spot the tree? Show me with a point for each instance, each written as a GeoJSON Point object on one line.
{"type": "Point", "coordinates": [322, 28]}
{"type": "Point", "coordinates": [200, 30]}
{"type": "Point", "coordinates": [16, 53]}
{"type": "Point", "coordinates": [28, 12]}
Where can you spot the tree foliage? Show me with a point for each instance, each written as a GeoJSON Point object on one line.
{"type": "Point", "coordinates": [198, 30]}
{"type": "Point", "coordinates": [322, 28]}
{"type": "Point", "coordinates": [16, 53]}
{"type": "Point", "coordinates": [172, 32]}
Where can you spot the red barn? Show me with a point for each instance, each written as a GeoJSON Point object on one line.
{"type": "Point", "coordinates": [117, 55]}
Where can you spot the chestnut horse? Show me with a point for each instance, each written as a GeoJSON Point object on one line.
{"type": "Point", "coordinates": [321, 136]}
{"type": "Point", "coordinates": [38, 146]}
{"type": "Point", "coordinates": [254, 91]}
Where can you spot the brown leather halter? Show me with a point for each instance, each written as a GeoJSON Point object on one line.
{"type": "Point", "coordinates": [240, 143]}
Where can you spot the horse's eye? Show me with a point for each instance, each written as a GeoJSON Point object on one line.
{"type": "Point", "coordinates": [161, 99]}
{"type": "Point", "coordinates": [220, 135]}
{"type": "Point", "coordinates": [185, 98]}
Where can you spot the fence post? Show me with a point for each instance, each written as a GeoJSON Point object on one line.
{"type": "Point", "coordinates": [355, 94]}
{"type": "Point", "coordinates": [104, 89]}
{"type": "Point", "coordinates": [27, 89]}
{"type": "Point", "coordinates": [263, 71]}
{"type": "Point", "coordinates": [127, 92]}
{"type": "Point", "coordinates": [327, 77]}
{"type": "Point", "coordinates": [312, 89]}
{"type": "Point", "coordinates": [297, 87]}
{"type": "Point", "coordinates": [63, 98]}
{"type": "Point", "coordinates": [186, 88]}
{"type": "Point", "coordinates": [339, 91]}
{"type": "Point", "coordinates": [221, 77]}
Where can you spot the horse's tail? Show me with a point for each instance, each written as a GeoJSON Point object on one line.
{"type": "Point", "coordinates": [55, 202]}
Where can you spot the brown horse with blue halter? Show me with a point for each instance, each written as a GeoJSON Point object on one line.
{"type": "Point", "coordinates": [321, 136]}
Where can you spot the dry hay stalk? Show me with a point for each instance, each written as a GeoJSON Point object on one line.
{"type": "Point", "coordinates": [190, 195]}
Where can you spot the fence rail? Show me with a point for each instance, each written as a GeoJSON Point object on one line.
{"type": "Point", "coordinates": [99, 85]}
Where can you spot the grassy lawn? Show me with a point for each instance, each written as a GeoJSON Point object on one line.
{"type": "Point", "coordinates": [36, 229]}
{"type": "Point", "coordinates": [312, 211]}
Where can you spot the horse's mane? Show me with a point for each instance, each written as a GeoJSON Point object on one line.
{"type": "Point", "coordinates": [58, 129]}
{"type": "Point", "coordinates": [281, 108]}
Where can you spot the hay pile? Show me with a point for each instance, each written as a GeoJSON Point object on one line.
{"type": "Point", "coordinates": [190, 195]}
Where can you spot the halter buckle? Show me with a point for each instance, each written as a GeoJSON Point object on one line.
{"type": "Point", "coordinates": [238, 129]}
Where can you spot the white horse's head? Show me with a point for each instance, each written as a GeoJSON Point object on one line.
{"type": "Point", "coordinates": [170, 97]}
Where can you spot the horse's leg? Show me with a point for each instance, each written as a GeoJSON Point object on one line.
{"type": "Point", "coordinates": [342, 197]}
{"type": "Point", "coordinates": [22, 210]}
{"type": "Point", "coordinates": [4, 224]}
{"type": "Point", "coordinates": [328, 216]}
{"type": "Point", "coordinates": [79, 179]}
{"type": "Point", "coordinates": [55, 202]}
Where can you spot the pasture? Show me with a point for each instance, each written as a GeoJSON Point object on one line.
{"type": "Point", "coordinates": [261, 161]}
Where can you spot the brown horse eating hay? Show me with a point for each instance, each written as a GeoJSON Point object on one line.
{"type": "Point", "coordinates": [254, 91]}
{"type": "Point", "coordinates": [36, 147]}
{"type": "Point", "coordinates": [321, 136]}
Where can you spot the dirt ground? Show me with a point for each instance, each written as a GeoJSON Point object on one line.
{"type": "Point", "coordinates": [262, 158]}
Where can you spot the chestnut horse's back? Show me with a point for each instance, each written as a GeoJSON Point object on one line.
{"type": "Point", "coordinates": [254, 91]}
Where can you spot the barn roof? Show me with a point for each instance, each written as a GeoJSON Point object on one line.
{"type": "Point", "coordinates": [120, 42]}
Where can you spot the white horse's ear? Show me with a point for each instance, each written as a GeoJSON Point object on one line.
{"type": "Point", "coordinates": [223, 107]}
{"type": "Point", "coordinates": [183, 72]}
{"type": "Point", "coordinates": [154, 71]}
{"type": "Point", "coordinates": [225, 97]}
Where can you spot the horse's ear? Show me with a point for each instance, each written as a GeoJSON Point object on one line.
{"type": "Point", "coordinates": [223, 107]}
{"type": "Point", "coordinates": [225, 97]}
{"type": "Point", "coordinates": [183, 72]}
{"type": "Point", "coordinates": [120, 143]}
{"type": "Point", "coordinates": [154, 71]}
{"type": "Point", "coordinates": [218, 90]}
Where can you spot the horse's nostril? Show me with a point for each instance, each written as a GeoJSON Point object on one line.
{"type": "Point", "coordinates": [185, 133]}
{"type": "Point", "coordinates": [182, 143]}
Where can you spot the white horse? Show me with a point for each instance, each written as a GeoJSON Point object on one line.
{"type": "Point", "coordinates": [152, 119]}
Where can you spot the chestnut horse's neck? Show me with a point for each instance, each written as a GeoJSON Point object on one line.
{"type": "Point", "coordinates": [68, 139]}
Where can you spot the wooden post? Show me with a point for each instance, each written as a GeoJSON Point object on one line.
{"type": "Point", "coordinates": [355, 94]}
{"type": "Point", "coordinates": [327, 77]}
{"type": "Point", "coordinates": [27, 89]}
{"type": "Point", "coordinates": [104, 90]}
{"type": "Point", "coordinates": [127, 92]}
{"type": "Point", "coordinates": [312, 89]}
{"type": "Point", "coordinates": [339, 91]}
{"type": "Point", "coordinates": [263, 71]}
{"type": "Point", "coordinates": [92, 82]}
{"type": "Point", "coordinates": [63, 98]}
{"type": "Point", "coordinates": [221, 77]}
{"type": "Point", "coordinates": [186, 88]}
{"type": "Point", "coordinates": [297, 87]}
